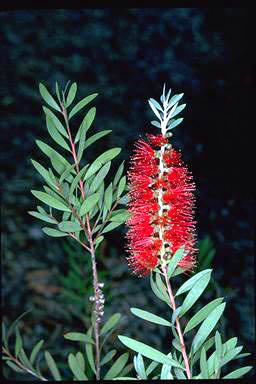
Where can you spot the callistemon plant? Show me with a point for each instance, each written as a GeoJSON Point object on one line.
{"type": "Point", "coordinates": [162, 242]}
{"type": "Point", "coordinates": [161, 197]}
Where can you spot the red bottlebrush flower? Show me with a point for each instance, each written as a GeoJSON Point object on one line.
{"type": "Point", "coordinates": [161, 207]}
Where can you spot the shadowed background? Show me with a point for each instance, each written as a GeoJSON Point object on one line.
{"type": "Point", "coordinates": [127, 56]}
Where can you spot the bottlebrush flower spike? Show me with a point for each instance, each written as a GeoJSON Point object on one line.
{"type": "Point", "coordinates": [161, 197]}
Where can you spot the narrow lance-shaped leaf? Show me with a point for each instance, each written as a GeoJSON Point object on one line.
{"type": "Point", "coordinates": [69, 226]}
{"type": "Point", "coordinates": [96, 137]}
{"type": "Point", "coordinates": [149, 352]}
{"type": "Point", "coordinates": [238, 373]}
{"type": "Point", "coordinates": [174, 123]}
{"type": "Point", "coordinates": [89, 352]}
{"type": "Point", "coordinates": [71, 94]}
{"type": "Point", "coordinates": [78, 336]}
{"type": "Point", "coordinates": [111, 323]}
{"type": "Point", "coordinates": [100, 177]}
{"type": "Point", "coordinates": [43, 172]}
{"type": "Point", "coordinates": [54, 133]}
{"type": "Point", "coordinates": [52, 366]}
{"type": "Point", "coordinates": [48, 97]}
{"type": "Point", "coordinates": [18, 341]}
{"type": "Point", "coordinates": [150, 317]}
{"type": "Point", "coordinates": [176, 258]}
{"type": "Point", "coordinates": [101, 160]}
{"type": "Point", "coordinates": [50, 200]}
{"type": "Point", "coordinates": [207, 326]}
{"type": "Point", "coordinates": [109, 356]}
{"type": "Point", "coordinates": [45, 218]}
{"type": "Point", "coordinates": [118, 174]}
{"type": "Point", "coordinates": [195, 292]}
{"type": "Point", "coordinates": [121, 186]}
{"type": "Point", "coordinates": [82, 103]}
{"type": "Point", "coordinates": [76, 368]}
{"type": "Point", "coordinates": [190, 282]}
{"type": "Point", "coordinates": [35, 351]}
{"type": "Point", "coordinates": [202, 314]}
{"type": "Point", "coordinates": [117, 367]}
{"type": "Point", "coordinates": [53, 232]}
{"type": "Point", "coordinates": [56, 121]}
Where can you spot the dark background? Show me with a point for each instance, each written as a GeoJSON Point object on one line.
{"type": "Point", "coordinates": [127, 55]}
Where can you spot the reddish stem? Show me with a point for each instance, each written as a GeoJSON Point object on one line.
{"type": "Point", "coordinates": [178, 327]}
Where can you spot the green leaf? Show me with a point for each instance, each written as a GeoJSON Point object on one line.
{"type": "Point", "coordinates": [15, 367]}
{"type": "Point", "coordinates": [150, 317]}
{"type": "Point", "coordinates": [154, 109]}
{"type": "Point", "coordinates": [77, 336]}
{"type": "Point", "coordinates": [202, 314]}
{"type": "Point", "coordinates": [203, 365]}
{"type": "Point", "coordinates": [96, 137]}
{"type": "Point", "coordinates": [52, 366]}
{"type": "Point", "coordinates": [162, 288]}
{"type": "Point", "coordinates": [148, 351]}
{"type": "Point", "coordinates": [82, 103]}
{"type": "Point", "coordinates": [80, 359]}
{"type": "Point", "coordinates": [54, 133]}
{"type": "Point", "coordinates": [179, 374]}
{"type": "Point", "coordinates": [98, 241]}
{"type": "Point", "coordinates": [118, 174]}
{"type": "Point", "coordinates": [35, 351]}
{"type": "Point", "coordinates": [178, 109]}
{"type": "Point", "coordinates": [207, 345]}
{"type": "Point", "coordinates": [155, 123]}
{"type": "Point", "coordinates": [117, 366]}
{"type": "Point", "coordinates": [108, 197]}
{"type": "Point", "coordinates": [174, 123]}
{"type": "Point", "coordinates": [24, 359]}
{"type": "Point", "coordinates": [43, 172]}
{"type": "Point", "coordinates": [101, 160]}
{"type": "Point", "coordinates": [48, 97]}
{"type": "Point", "coordinates": [57, 91]}
{"type": "Point", "coordinates": [124, 199]}
{"type": "Point", "coordinates": [89, 203]}
{"type": "Point", "coordinates": [175, 99]}
{"type": "Point", "coordinates": [177, 257]}
{"type": "Point", "coordinates": [69, 226]}
{"type": "Point", "coordinates": [53, 232]}
{"type": "Point", "coordinates": [231, 343]}
{"type": "Point", "coordinates": [56, 122]}
{"type": "Point", "coordinates": [207, 326]}
{"type": "Point", "coordinates": [109, 356]}
{"type": "Point", "coordinates": [50, 200]}
{"type": "Point", "coordinates": [71, 94]}
{"type": "Point", "coordinates": [191, 282]}
{"type": "Point", "coordinates": [111, 226]}
{"type": "Point", "coordinates": [76, 368]}
{"type": "Point", "coordinates": [13, 325]}
{"type": "Point", "coordinates": [111, 323]}
{"type": "Point", "coordinates": [151, 367]}
{"type": "Point", "coordinates": [140, 366]}
{"type": "Point", "coordinates": [18, 341]}
{"type": "Point", "coordinates": [121, 186]}
{"type": "Point", "coordinates": [155, 289]}
{"type": "Point", "coordinates": [89, 352]}
{"type": "Point", "coordinates": [166, 371]}
{"type": "Point", "coordinates": [100, 177]}
{"type": "Point", "coordinates": [43, 217]}
{"type": "Point", "coordinates": [218, 345]}
{"type": "Point", "coordinates": [156, 104]}
{"type": "Point", "coordinates": [230, 355]}
{"type": "Point", "coordinates": [54, 156]}
{"type": "Point", "coordinates": [120, 217]}
{"type": "Point", "coordinates": [237, 373]}
{"type": "Point", "coordinates": [195, 293]}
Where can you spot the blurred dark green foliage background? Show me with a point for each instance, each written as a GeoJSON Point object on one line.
{"type": "Point", "coordinates": [126, 55]}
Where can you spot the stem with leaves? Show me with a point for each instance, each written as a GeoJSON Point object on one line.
{"type": "Point", "coordinates": [98, 296]}
{"type": "Point", "coordinates": [178, 327]}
